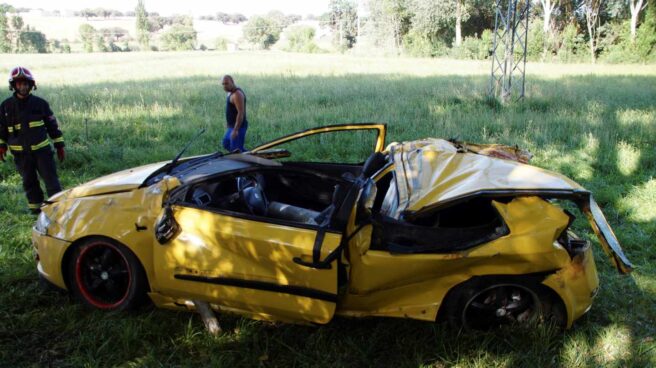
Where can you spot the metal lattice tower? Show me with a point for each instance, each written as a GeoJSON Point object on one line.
{"type": "Point", "coordinates": [509, 49]}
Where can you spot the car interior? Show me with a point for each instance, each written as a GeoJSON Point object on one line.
{"type": "Point", "coordinates": [291, 195]}
{"type": "Point", "coordinates": [456, 227]}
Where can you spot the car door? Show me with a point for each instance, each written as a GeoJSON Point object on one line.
{"type": "Point", "coordinates": [333, 144]}
{"type": "Point", "coordinates": [261, 266]}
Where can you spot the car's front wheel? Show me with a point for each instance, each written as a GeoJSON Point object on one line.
{"type": "Point", "coordinates": [106, 275]}
{"type": "Point", "coordinates": [484, 303]}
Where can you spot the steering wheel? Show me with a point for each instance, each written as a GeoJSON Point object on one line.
{"type": "Point", "coordinates": [252, 195]}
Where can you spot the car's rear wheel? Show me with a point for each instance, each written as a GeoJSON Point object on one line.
{"type": "Point", "coordinates": [485, 303]}
{"type": "Point", "coordinates": [104, 274]}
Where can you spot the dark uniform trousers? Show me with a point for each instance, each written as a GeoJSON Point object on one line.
{"type": "Point", "coordinates": [42, 162]}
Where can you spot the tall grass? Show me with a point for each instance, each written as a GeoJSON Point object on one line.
{"type": "Point", "coordinates": [596, 124]}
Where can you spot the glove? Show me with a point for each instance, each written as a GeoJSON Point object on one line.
{"type": "Point", "coordinates": [61, 155]}
{"type": "Point", "coordinates": [3, 152]}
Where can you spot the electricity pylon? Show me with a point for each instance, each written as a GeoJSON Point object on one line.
{"type": "Point", "coordinates": [509, 49]}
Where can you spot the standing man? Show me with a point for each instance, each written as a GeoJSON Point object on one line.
{"type": "Point", "coordinates": [237, 124]}
{"type": "Point", "coordinates": [26, 121]}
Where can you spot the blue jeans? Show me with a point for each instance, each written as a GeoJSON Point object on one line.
{"type": "Point", "coordinates": [231, 145]}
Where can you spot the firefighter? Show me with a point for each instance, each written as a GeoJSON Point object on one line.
{"type": "Point", "coordinates": [26, 122]}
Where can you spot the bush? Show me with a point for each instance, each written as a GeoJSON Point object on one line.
{"type": "Point", "coordinates": [536, 41]}
{"type": "Point", "coordinates": [301, 39]}
{"type": "Point", "coordinates": [221, 44]}
{"type": "Point", "coordinates": [474, 47]}
{"type": "Point", "coordinates": [572, 45]}
{"type": "Point", "coordinates": [416, 44]}
{"type": "Point", "coordinates": [262, 32]}
{"type": "Point", "coordinates": [615, 45]}
{"type": "Point", "coordinates": [646, 35]}
{"type": "Point", "coordinates": [179, 37]}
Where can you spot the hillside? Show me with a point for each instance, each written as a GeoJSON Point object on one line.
{"type": "Point", "coordinates": [66, 28]}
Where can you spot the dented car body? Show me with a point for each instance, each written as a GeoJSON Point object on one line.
{"type": "Point", "coordinates": [428, 229]}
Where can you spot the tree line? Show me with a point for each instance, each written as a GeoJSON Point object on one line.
{"type": "Point", "coordinates": [564, 30]}
{"type": "Point", "coordinates": [567, 30]}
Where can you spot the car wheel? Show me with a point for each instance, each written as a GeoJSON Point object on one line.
{"type": "Point", "coordinates": [485, 303]}
{"type": "Point", "coordinates": [106, 275]}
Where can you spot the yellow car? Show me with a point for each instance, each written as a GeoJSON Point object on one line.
{"type": "Point", "coordinates": [428, 229]}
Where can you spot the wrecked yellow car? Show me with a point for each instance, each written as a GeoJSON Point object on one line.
{"type": "Point", "coordinates": [429, 229]}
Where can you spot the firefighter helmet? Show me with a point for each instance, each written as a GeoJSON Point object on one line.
{"type": "Point", "coordinates": [18, 73]}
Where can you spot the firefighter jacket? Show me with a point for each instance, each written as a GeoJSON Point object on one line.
{"type": "Point", "coordinates": [25, 125]}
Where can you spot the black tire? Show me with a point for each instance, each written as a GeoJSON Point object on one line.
{"type": "Point", "coordinates": [483, 303]}
{"type": "Point", "coordinates": [106, 275]}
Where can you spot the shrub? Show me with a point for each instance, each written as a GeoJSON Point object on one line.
{"type": "Point", "coordinates": [572, 45]}
{"type": "Point", "coordinates": [416, 44]}
{"type": "Point", "coordinates": [179, 37]}
{"type": "Point", "coordinates": [301, 39]}
{"type": "Point", "coordinates": [474, 47]}
{"type": "Point", "coordinates": [220, 44]}
{"type": "Point", "coordinates": [262, 32]}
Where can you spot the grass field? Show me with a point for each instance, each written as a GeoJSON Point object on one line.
{"type": "Point", "coordinates": [596, 124]}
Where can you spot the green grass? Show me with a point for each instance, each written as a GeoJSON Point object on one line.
{"type": "Point", "coordinates": [596, 124]}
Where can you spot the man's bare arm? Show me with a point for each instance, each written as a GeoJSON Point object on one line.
{"type": "Point", "coordinates": [241, 108]}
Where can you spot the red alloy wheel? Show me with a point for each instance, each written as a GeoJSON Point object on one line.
{"type": "Point", "coordinates": [103, 276]}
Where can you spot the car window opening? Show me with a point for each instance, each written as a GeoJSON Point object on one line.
{"type": "Point", "coordinates": [290, 196]}
{"type": "Point", "coordinates": [455, 228]}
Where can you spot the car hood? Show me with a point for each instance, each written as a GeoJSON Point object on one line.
{"type": "Point", "coordinates": [121, 181]}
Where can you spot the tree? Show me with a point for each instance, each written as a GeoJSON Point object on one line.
{"type": "Point", "coordinates": [237, 18]}
{"type": "Point", "coordinates": [113, 33]}
{"type": "Point", "coordinates": [646, 35]}
{"type": "Point", "coordinates": [143, 36]}
{"type": "Point", "coordinates": [87, 35]}
{"type": "Point", "coordinates": [433, 20]}
{"type": "Point", "coordinates": [591, 9]}
{"type": "Point", "coordinates": [301, 39]}
{"type": "Point", "coordinates": [342, 20]}
{"type": "Point", "coordinates": [223, 17]}
{"type": "Point", "coordinates": [155, 23]}
{"type": "Point", "coordinates": [100, 43]}
{"type": "Point", "coordinates": [548, 8]}
{"type": "Point", "coordinates": [86, 13]}
{"type": "Point", "coordinates": [390, 22]}
{"type": "Point", "coordinates": [636, 6]}
{"type": "Point", "coordinates": [17, 24]}
{"type": "Point", "coordinates": [262, 32]}
{"type": "Point", "coordinates": [5, 39]}
{"type": "Point", "coordinates": [33, 41]}
{"type": "Point", "coordinates": [179, 37]}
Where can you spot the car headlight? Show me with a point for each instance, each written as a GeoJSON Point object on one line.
{"type": "Point", "coordinates": [42, 223]}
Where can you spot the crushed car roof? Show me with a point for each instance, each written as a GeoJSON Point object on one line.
{"type": "Point", "coordinates": [432, 171]}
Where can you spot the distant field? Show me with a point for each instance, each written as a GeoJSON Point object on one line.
{"type": "Point", "coordinates": [594, 123]}
{"type": "Point", "coordinates": [67, 28]}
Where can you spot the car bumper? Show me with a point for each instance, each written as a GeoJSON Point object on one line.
{"type": "Point", "coordinates": [49, 253]}
{"type": "Point", "coordinates": [576, 284]}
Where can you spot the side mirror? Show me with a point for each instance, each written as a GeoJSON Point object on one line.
{"type": "Point", "coordinates": [166, 227]}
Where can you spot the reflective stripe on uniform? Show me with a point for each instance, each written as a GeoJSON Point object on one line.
{"type": "Point", "coordinates": [10, 129]}
{"type": "Point", "coordinates": [34, 124]}
{"type": "Point", "coordinates": [57, 140]}
{"type": "Point", "coordinates": [15, 148]}
{"type": "Point", "coordinates": [40, 145]}
{"type": "Point", "coordinates": [34, 205]}
{"type": "Point", "coordinates": [2, 142]}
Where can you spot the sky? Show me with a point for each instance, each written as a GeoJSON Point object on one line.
{"type": "Point", "coordinates": [186, 7]}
